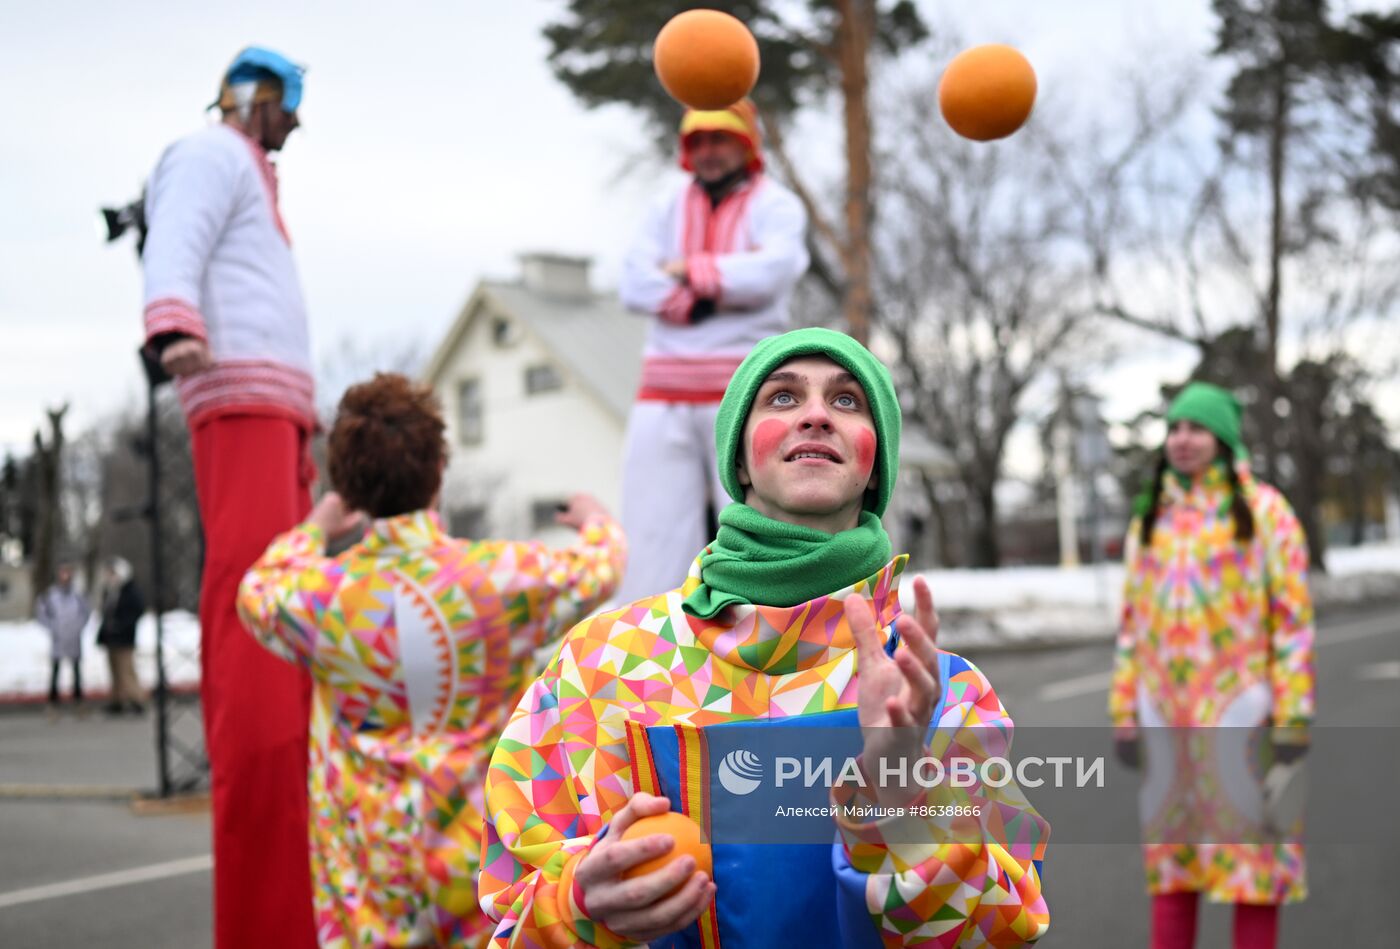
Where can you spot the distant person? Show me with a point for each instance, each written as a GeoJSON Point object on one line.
{"type": "Point", "coordinates": [122, 607]}
{"type": "Point", "coordinates": [64, 612]}
{"type": "Point", "coordinates": [713, 266]}
{"type": "Point", "coordinates": [419, 645]}
{"type": "Point", "coordinates": [1215, 651]}
{"type": "Point", "coordinates": [225, 315]}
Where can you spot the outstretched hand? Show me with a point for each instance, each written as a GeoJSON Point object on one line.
{"type": "Point", "coordinates": [896, 695]}
{"type": "Point", "coordinates": [576, 511]}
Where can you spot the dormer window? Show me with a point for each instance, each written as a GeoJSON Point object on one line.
{"type": "Point", "coordinates": [502, 332]}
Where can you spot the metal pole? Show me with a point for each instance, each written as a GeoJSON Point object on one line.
{"type": "Point", "coordinates": [153, 380]}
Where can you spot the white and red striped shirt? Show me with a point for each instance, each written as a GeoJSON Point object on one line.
{"type": "Point", "coordinates": [218, 267]}
{"type": "Point", "coordinates": [745, 255]}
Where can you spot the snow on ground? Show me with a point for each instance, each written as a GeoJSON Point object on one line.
{"type": "Point", "coordinates": [1019, 606]}
{"type": "Point", "coordinates": [1368, 558]}
{"type": "Point", "coordinates": [1013, 606]}
{"type": "Point", "coordinates": [24, 657]}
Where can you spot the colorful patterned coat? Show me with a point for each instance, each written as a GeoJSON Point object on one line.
{"type": "Point", "coordinates": [419, 646]}
{"type": "Point", "coordinates": [569, 760]}
{"type": "Point", "coordinates": [1215, 633]}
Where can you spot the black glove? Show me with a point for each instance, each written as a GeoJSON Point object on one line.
{"type": "Point", "coordinates": [1128, 751]}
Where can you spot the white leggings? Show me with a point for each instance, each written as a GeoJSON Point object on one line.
{"type": "Point", "coordinates": [668, 476]}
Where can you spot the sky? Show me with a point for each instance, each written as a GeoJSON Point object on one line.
{"type": "Point", "coordinates": [436, 147]}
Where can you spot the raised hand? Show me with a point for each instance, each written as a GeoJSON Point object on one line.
{"type": "Point", "coordinates": [334, 517]}
{"type": "Point", "coordinates": [895, 695]}
{"type": "Point", "coordinates": [578, 509]}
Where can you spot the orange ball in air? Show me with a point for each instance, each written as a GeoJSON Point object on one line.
{"type": "Point", "coordinates": [684, 831]}
{"type": "Point", "coordinates": [987, 92]}
{"type": "Point", "coordinates": [706, 59]}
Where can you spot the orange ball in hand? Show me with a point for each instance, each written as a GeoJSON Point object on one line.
{"type": "Point", "coordinates": [684, 831]}
{"type": "Point", "coordinates": [987, 92]}
{"type": "Point", "coordinates": [706, 59]}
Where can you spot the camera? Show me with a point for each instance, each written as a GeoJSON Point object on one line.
{"type": "Point", "coordinates": [120, 220]}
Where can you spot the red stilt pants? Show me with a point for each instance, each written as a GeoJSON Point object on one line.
{"type": "Point", "coordinates": [253, 474]}
{"type": "Point", "coordinates": [1174, 923]}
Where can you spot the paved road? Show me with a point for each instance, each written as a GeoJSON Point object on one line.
{"type": "Point", "coordinates": [92, 872]}
{"type": "Point", "coordinates": [1096, 891]}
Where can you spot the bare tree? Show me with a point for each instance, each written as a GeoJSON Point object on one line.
{"type": "Point", "coordinates": [82, 496]}
{"type": "Point", "coordinates": [356, 359]}
{"type": "Point", "coordinates": [988, 259]}
{"type": "Point", "coordinates": [1265, 241]}
{"type": "Point", "coordinates": [47, 460]}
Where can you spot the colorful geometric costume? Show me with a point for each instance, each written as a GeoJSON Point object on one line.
{"type": "Point", "coordinates": [419, 646]}
{"type": "Point", "coordinates": [219, 268]}
{"type": "Point", "coordinates": [743, 255]}
{"type": "Point", "coordinates": [1215, 632]}
{"type": "Point", "coordinates": [630, 703]}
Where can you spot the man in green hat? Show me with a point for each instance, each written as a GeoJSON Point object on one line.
{"type": "Point", "coordinates": [790, 618]}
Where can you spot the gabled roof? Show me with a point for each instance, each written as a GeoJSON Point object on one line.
{"type": "Point", "coordinates": [595, 340]}
{"type": "Point", "coordinates": [599, 343]}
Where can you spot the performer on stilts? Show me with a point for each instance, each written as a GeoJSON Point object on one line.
{"type": "Point", "coordinates": [714, 266]}
{"type": "Point", "coordinates": [224, 312]}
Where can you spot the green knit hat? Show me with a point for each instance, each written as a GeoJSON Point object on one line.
{"type": "Point", "coordinates": [841, 349]}
{"type": "Point", "coordinates": [1214, 409]}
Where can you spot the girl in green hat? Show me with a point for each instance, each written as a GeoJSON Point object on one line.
{"type": "Point", "coordinates": [1216, 631]}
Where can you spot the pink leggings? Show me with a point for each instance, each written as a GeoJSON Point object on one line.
{"type": "Point", "coordinates": [1174, 923]}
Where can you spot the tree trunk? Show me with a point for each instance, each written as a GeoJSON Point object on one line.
{"type": "Point", "coordinates": [1278, 136]}
{"type": "Point", "coordinates": [49, 460]}
{"type": "Point", "coordinates": [939, 516]}
{"type": "Point", "coordinates": [853, 48]}
{"type": "Point", "coordinates": [986, 549]}
{"type": "Point", "coordinates": [1309, 457]}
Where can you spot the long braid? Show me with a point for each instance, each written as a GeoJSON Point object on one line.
{"type": "Point", "coordinates": [1149, 517]}
{"type": "Point", "coordinates": [1239, 508]}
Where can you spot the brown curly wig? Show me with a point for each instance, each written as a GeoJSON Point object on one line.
{"type": "Point", "coordinates": [386, 447]}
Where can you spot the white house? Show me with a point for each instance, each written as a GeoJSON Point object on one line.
{"type": "Point", "coordinates": [16, 597]}
{"type": "Point", "coordinates": [537, 377]}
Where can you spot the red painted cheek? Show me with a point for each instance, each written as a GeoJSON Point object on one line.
{"type": "Point", "coordinates": [865, 450]}
{"type": "Point", "coordinates": [767, 438]}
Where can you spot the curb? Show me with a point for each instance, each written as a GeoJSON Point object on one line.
{"type": "Point", "coordinates": [67, 792]}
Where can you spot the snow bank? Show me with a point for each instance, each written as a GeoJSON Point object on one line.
{"type": "Point", "coordinates": [24, 657]}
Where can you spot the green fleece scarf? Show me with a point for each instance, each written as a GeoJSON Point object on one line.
{"type": "Point", "coordinates": [756, 559]}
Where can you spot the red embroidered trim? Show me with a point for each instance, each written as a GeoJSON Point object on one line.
{"type": "Point", "coordinates": [686, 379]}
{"type": "Point", "coordinates": [252, 386]}
{"type": "Point", "coordinates": [711, 231]}
{"type": "Point", "coordinates": [703, 275]}
{"type": "Point", "coordinates": [269, 178]}
{"type": "Point", "coordinates": [676, 308]}
{"type": "Point", "coordinates": [689, 397]}
{"type": "Point", "coordinates": [173, 315]}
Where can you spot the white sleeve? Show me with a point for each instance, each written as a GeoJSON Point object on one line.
{"type": "Point", "coordinates": [756, 279]}
{"type": "Point", "coordinates": [188, 202]}
{"type": "Point", "coordinates": [644, 287]}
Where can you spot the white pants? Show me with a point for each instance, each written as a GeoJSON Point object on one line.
{"type": "Point", "coordinates": [668, 476]}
